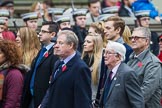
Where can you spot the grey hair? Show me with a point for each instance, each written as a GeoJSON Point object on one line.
{"type": "Point", "coordinates": [70, 37]}
{"type": "Point", "coordinates": [145, 31]}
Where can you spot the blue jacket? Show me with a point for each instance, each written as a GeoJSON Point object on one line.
{"type": "Point", "coordinates": [145, 5]}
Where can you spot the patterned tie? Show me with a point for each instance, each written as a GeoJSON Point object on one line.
{"type": "Point", "coordinates": [43, 50]}
{"type": "Point", "coordinates": [58, 70]}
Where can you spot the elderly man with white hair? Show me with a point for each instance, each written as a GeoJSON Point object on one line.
{"type": "Point", "coordinates": [121, 88]}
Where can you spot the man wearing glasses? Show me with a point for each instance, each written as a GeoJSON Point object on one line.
{"type": "Point", "coordinates": [121, 89]}
{"type": "Point", "coordinates": [143, 20]}
{"type": "Point", "coordinates": [114, 27]}
{"type": "Point", "coordinates": [147, 65]}
{"type": "Point", "coordinates": [38, 78]}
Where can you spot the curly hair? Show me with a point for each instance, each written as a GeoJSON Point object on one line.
{"type": "Point", "coordinates": [11, 51]}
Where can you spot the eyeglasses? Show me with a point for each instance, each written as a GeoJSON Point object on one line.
{"type": "Point", "coordinates": [135, 38]}
{"type": "Point", "coordinates": [108, 52]}
{"type": "Point", "coordinates": [44, 31]}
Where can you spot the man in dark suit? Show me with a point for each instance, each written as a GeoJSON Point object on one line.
{"type": "Point", "coordinates": [37, 80]}
{"type": "Point", "coordinates": [121, 89]}
{"type": "Point", "coordinates": [71, 82]}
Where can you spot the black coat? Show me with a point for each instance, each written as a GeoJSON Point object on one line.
{"type": "Point", "coordinates": [41, 82]}
{"type": "Point", "coordinates": [154, 46]}
{"type": "Point", "coordinates": [81, 34]}
{"type": "Point", "coordinates": [123, 12]}
{"type": "Point", "coordinates": [71, 88]}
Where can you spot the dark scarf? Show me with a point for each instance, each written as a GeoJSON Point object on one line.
{"type": "Point", "coordinates": [88, 60]}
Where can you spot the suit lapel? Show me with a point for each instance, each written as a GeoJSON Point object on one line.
{"type": "Point", "coordinates": [116, 77]}
{"type": "Point", "coordinates": [68, 66]}
{"type": "Point", "coordinates": [54, 69]}
{"type": "Point", "coordinates": [59, 74]}
{"type": "Point", "coordinates": [44, 58]}
{"type": "Point", "coordinates": [112, 85]}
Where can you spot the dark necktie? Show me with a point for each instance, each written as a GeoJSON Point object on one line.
{"type": "Point", "coordinates": [110, 76]}
{"type": "Point", "coordinates": [58, 70]}
{"type": "Point", "coordinates": [107, 86]}
{"type": "Point", "coordinates": [43, 50]}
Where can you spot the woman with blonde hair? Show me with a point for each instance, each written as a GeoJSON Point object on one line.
{"type": "Point", "coordinates": [92, 54]}
{"type": "Point", "coordinates": [28, 40]}
{"type": "Point", "coordinates": [126, 35]}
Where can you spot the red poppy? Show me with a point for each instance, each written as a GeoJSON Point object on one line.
{"type": "Point", "coordinates": [64, 68]}
{"type": "Point", "coordinates": [140, 64]}
{"type": "Point", "coordinates": [46, 54]}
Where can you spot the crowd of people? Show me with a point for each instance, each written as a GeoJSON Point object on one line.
{"type": "Point", "coordinates": [65, 64]}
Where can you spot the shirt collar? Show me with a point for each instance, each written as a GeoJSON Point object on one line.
{"type": "Point", "coordinates": [141, 55]}
{"type": "Point", "coordinates": [120, 40]}
{"type": "Point", "coordinates": [49, 46]}
{"type": "Point", "coordinates": [69, 58]}
{"type": "Point", "coordinates": [114, 70]}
